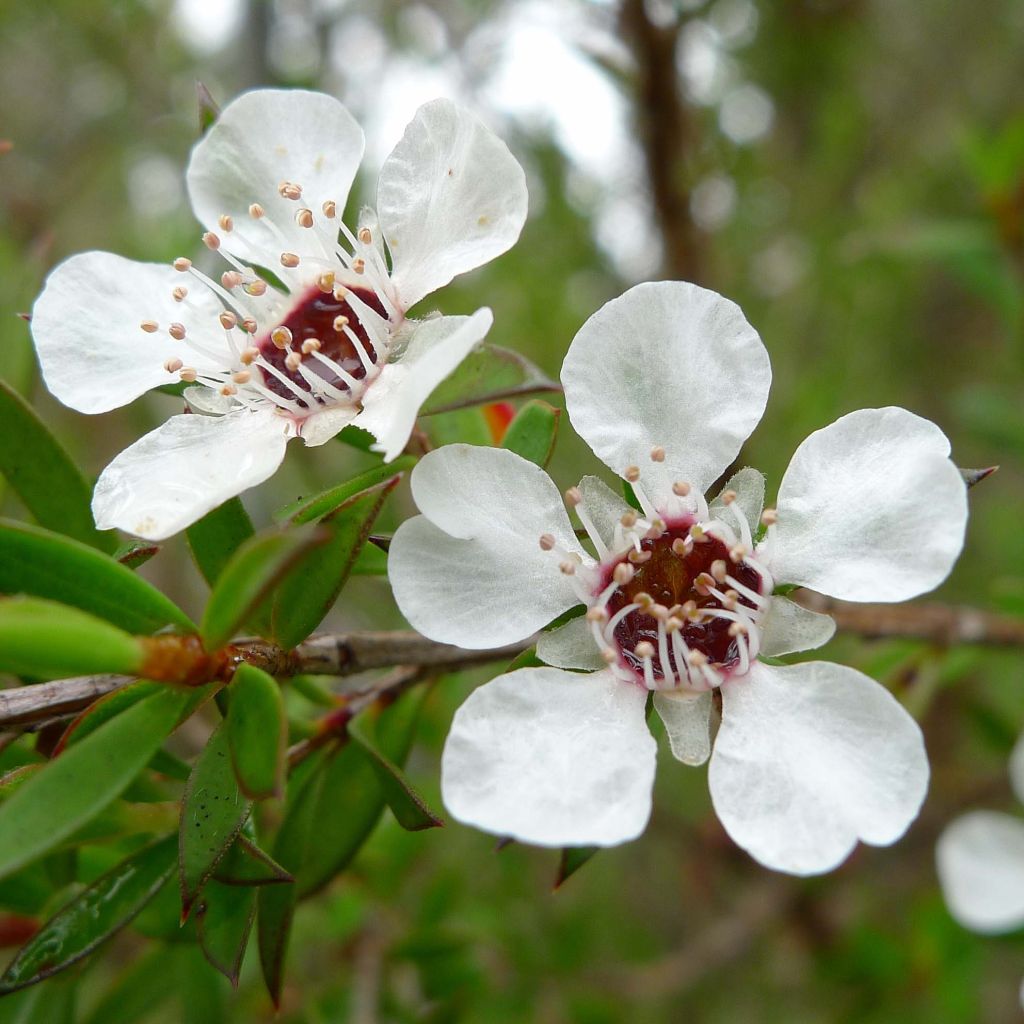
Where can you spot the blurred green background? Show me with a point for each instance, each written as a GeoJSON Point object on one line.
{"type": "Point", "coordinates": [852, 173]}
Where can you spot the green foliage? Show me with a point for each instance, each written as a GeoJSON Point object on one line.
{"type": "Point", "coordinates": [256, 731]}
{"type": "Point", "coordinates": [533, 432]}
{"type": "Point", "coordinates": [224, 919]}
{"type": "Point", "coordinates": [217, 536]}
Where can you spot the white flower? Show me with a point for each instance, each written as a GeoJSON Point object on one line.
{"type": "Point", "coordinates": [269, 181]}
{"type": "Point", "coordinates": [665, 383]}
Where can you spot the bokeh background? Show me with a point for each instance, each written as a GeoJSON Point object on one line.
{"type": "Point", "coordinates": [852, 173]}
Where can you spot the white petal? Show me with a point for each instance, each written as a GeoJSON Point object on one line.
{"type": "Point", "coordinates": [604, 507]}
{"type": "Point", "coordinates": [204, 400]}
{"type": "Point", "coordinates": [451, 197]}
{"type": "Point", "coordinates": [1017, 768]}
{"type": "Point", "coordinates": [470, 571]}
{"type": "Point", "coordinates": [319, 428]}
{"type": "Point", "coordinates": [809, 759]}
{"type": "Point", "coordinates": [552, 758]}
{"type": "Point", "coordinates": [789, 627]}
{"type": "Point", "coordinates": [687, 718]}
{"type": "Point", "coordinates": [667, 364]}
{"type": "Point", "coordinates": [870, 509]}
{"type": "Point", "coordinates": [980, 858]}
{"type": "Point", "coordinates": [260, 140]}
{"type": "Point", "coordinates": [571, 645]}
{"type": "Point", "coordinates": [86, 324]}
{"type": "Point", "coordinates": [186, 467]}
{"type": "Point", "coordinates": [748, 484]}
{"type": "Point", "coordinates": [433, 349]}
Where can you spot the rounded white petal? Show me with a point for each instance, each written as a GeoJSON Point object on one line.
{"type": "Point", "coordinates": [667, 364]}
{"type": "Point", "coordinates": [571, 645]}
{"type": "Point", "coordinates": [93, 352]}
{"type": "Point", "coordinates": [788, 627]}
{"type": "Point", "coordinates": [319, 428]}
{"type": "Point", "coordinates": [809, 759]}
{"type": "Point", "coordinates": [260, 140]}
{"type": "Point", "coordinates": [433, 349]}
{"type": "Point", "coordinates": [748, 486]}
{"type": "Point", "coordinates": [687, 718]}
{"type": "Point", "coordinates": [186, 467]}
{"type": "Point", "coordinates": [980, 858]}
{"type": "Point", "coordinates": [551, 758]}
{"type": "Point", "coordinates": [604, 507]}
{"type": "Point", "coordinates": [451, 197]}
{"type": "Point", "coordinates": [871, 509]}
{"type": "Point", "coordinates": [470, 571]}
{"type": "Point", "coordinates": [1017, 768]}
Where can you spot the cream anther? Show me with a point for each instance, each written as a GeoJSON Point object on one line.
{"type": "Point", "coordinates": [719, 570]}
{"type": "Point", "coordinates": [256, 211]}
{"type": "Point", "coordinates": [325, 282]}
{"type": "Point", "coordinates": [182, 263]}
{"type": "Point", "coordinates": [680, 488]}
{"type": "Point", "coordinates": [364, 236]}
{"type": "Point", "coordinates": [623, 573]}
{"type": "Point", "coordinates": [573, 497]}
{"type": "Point", "coordinates": [644, 649]}
{"type": "Point", "coordinates": [737, 553]}
{"type": "Point", "coordinates": [330, 208]}
{"type": "Point", "coordinates": [230, 279]}
{"type": "Point", "coordinates": [281, 337]}
{"type": "Point", "coordinates": [290, 260]}
{"type": "Point", "coordinates": [769, 517]}
{"type": "Point", "coordinates": [730, 599]}
{"type": "Point", "coordinates": [632, 473]}
{"type": "Point", "coordinates": [638, 557]}
{"type": "Point", "coordinates": [256, 288]}
{"type": "Point", "coordinates": [697, 658]}
{"type": "Point", "coordinates": [628, 520]}
{"type": "Point", "coordinates": [249, 356]}
{"type": "Point", "coordinates": [597, 614]}
{"type": "Point", "coordinates": [547, 542]}
{"type": "Point", "coordinates": [228, 320]}
{"type": "Point", "coordinates": [311, 345]}
{"type": "Point", "coordinates": [660, 612]}
{"type": "Point", "coordinates": [289, 190]}
{"type": "Point", "coordinates": [211, 241]}
{"type": "Point", "coordinates": [340, 292]}
{"type": "Point", "coordinates": [359, 265]}
{"type": "Point", "coordinates": [703, 583]}
{"type": "Point", "coordinates": [225, 222]}
{"type": "Point", "coordinates": [173, 365]}
{"type": "Point", "coordinates": [567, 567]}
{"type": "Point", "coordinates": [657, 530]}
{"type": "Point", "coordinates": [176, 331]}
{"type": "Point", "coordinates": [608, 655]}
{"type": "Point", "coordinates": [250, 325]}
{"type": "Point", "coordinates": [227, 390]}
{"type": "Point", "coordinates": [340, 323]}
{"type": "Point", "coordinates": [645, 601]}
{"type": "Point", "coordinates": [150, 326]}
{"type": "Point", "coordinates": [304, 218]}
{"type": "Point", "coordinates": [241, 377]}
{"type": "Point", "coordinates": [679, 547]}
{"type": "Point", "coordinates": [179, 293]}
{"type": "Point", "coordinates": [673, 624]}
{"type": "Point", "coordinates": [293, 360]}
{"type": "Point", "coordinates": [188, 374]}
{"type": "Point", "coordinates": [697, 533]}
{"type": "Point", "coordinates": [728, 497]}
{"type": "Point", "coordinates": [689, 610]}
{"type": "Point", "coordinates": [657, 453]}
{"type": "Point", "coordinates": [737, 629]}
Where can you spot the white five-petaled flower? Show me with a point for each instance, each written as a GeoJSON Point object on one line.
{"type": "Point", "coordinates": [980, 858]}
{"type": "Point", "coordinates": [269, 181]}
{"type": "Point", "coordinates": [665, 383]}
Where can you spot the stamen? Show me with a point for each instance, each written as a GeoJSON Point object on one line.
{"type": "Point", "coordinates": [188, 374]}
{"type": "Point", "coordinates": [289, 260]}
{"type": "Point", "coordinates": [769, 517]}
{"type": "Point", "coordinates": [304, 218]}
{"type": "Point", "coordinates": [289, 190]}
{"type": "Point", "coordinates": [228, 320]}
{"type": "Point", "coordinates": [281, 337]}
{"type": "Point", "coordinates": [150, 326]}
{"type": "Point", "coordinates": [225, 223]}
{"type": "Point", "coordinates": [330, 208]}
{"type": "Point", "coordinates": [173, 365]}
{"type": "Point", "coordinates": [182, 263]}
{"type": "Point", "coordinates": [364, 236]}
{"type": "Point", "coordinates": [177, 331]}
{"type": "Point", "coordinates": [632, 473]}
{"type": "Point", "coordinates": [179, 293]}
{"type": "Point", "coordinates": [547, 542]}
{"type": "Point", "coordinates": [211, 241]}
{"type": "Point", "coordinates": [657, 453]}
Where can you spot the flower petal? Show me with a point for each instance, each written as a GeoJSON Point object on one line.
{"type": "Point", "coordinates": [571, 645]}
{"type": "Point", "coordinates": [186, 467]}
{"type": "Point", "coordinates": [788, 627]}
{"type": "Point", "coordinates": [748, 485]}
{"type": "Point", "coordinates": [809, 759]}
{"type": "Point", "coordinates": [433, 349]}
{"type": "Point", "coordinates": [260, 140]}
{"type": "Point", "coordinates": [687, 718]}
{"type": "Point", "coordinates": [667, 364]}
{"type": "Point", "coordinates": [980, 858]}
{"type": "Point", "coordinates": [94, 354]}
{"type": "Point", "coordinates": [871, 509]}
{"type": "Point", "coordinates": [470, 571]}
{"type": "Point", "coordinates": [319, 428]}
{"type": "Point", "coordinates": [1017, 768]}
{"type": "Point", "coordinates": [451, 197]}
{"type": "Point", "coordinates": [552, 758]}
{"type": "Point", "coordinates": [604, 507]}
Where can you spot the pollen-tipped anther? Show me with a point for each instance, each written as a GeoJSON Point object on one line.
{"type": "Point", "coordinates": [179, 293]}
{"type": "Point", "coordinates": [340, 323]}
{"type": "Point", "coordinates": [644, 649]}
{"type": "Point", "coordinates": [597, 614]}
{"type": "Point", "coordinates": [632, 473]}
{"type": "Point", "coordinates": [573, 497]}
{"type": "Point", "coordinates": [680, 488]}
{"type": "Point", "coordinates": [281, 337]}
{"type": "Point", "coordinates": [249, 356]}
{"type": "Point", "coordinates": [256, 211]}
{"type": "Point", "coordinates": [182, 264]}
{"type": "Point", "coordinates": [643, 599]}
{"type": "Point", "coordinates": [657, 453]}
{"type": "Point", "coordinates": [293, 361]}
{"type": "Point", "coordinates": [289, 190]}
{"type": "Point", "coordinates": [177, 331]}
{"type": "Point", "coordinates": [628, 520]}
{"type": "Point", "coordinates": [330, 208]}
{"type": "Point", "coordinates": [325, 282]}
{"type": "Point", "coordinates": [737, 554]}
{"type": "Point", "coordinates": [250, 325]}
{"type": "Point", "coordinates": [364, 236]}
{"type": "Point", "coordinates": [211, 241]}
{"type": "Point", "coordinates": [567, 567]}
{"type": "Point", "coordinates": [231, 279]}
{"type": "Point", "coordinates": [150, 326]}
{"type": "Point", "coordinates": [728, 497]}
{"type": "Point", "coordinates": [289, 260]}
{"type": "Point", "coordinates": [547, 542]}
{"type": "Point", "coordinates": [679, 547]}
{"type": "Point", "coordinates": [241, 377]}
{"type": "Point", "coordinates": [256, 287]}
{"type": "Point", "coordinates": [623, 573]}
{"type": "Point", "coordinates": [304, 218]}
{"type": "Point", "coordinates": [188, 374]}
{"type": "Point", "coordinates": [225, 223]}
{"type": "Point", "coordinates": [639, 557]}
{"type": "Point", "coordinates": [173, 365]}
{"type": "Point", "coordinates": [608, 655]}
{"type": "Point", "coordinates": [719, 570]}
{"type": "Point", "coordinates": [769, 517]}
{"type": "Point", "coordinates": [228, 320]}
{"type": "Point", "coordinates": [311, 345]}
{"type": "Point", "coordinates": [227, 390]}
{"type": "Point", "coordinates": [359, 265]}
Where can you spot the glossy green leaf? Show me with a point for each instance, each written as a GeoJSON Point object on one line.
{"type": "Point", "coordinates": [309, 591]}
{"type": "Point", "coordinates": [572, 859]}
{"type": "Point", "coordinates": [533, 432]}
{"type": "Point", "coordinates": [85, 779]}
{"type": "Point", "coordinates": [488, 374]}
{"type": "Point", "coordinates": [224, 918]}
{"type": "Point", "coordinates": [107, 707]}
{"type": "Point", "coordinates": [45, 564]}
{"type": "Point", "coordinates": [253, 571]}
{"type": "Point", "coordinates": [48, 640]}
{"type": "Point", "coordinates": [257, 732]}
{"type": "Point", "coordinates": [43, 475]}
{"type": "Point", "coordinates": [92, 917]}
{"type": "Point", "coordinates": [213, 812]}
{"type": "Point", "coordinates": [246, 864]}
{"type": "Point", "coordinates": [217, 536]}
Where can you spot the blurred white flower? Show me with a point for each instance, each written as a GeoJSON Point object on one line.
{"type": "Point", "coordinates": [665, 383]}
{"type": "Point", "coordinates": [269, 181]}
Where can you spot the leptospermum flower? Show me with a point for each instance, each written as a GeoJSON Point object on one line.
{"type": "Point", "coordinates": [980, 858]}
{"type": "Point", "coordinates": [665, 383]}
{"type": "Point", "coordinates": [269, 181]}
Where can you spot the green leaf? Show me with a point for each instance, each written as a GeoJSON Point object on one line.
{"type": "Point", "coordinates": [572, 859]}
{"type": "Point", "coordinates": [533, 432]}
{"type": "Point", "coordinates": [224, 919]}
{"type": "Point", "coordinates": [406, 804]}
{"type": "Point", "coordinates": [44, 564]}
{"type": "Point", "coordinates": [370, 561]}
{"type": "Point", "coordinates": [356, 437]}
{"type": "Point", "coordinates": [85, 779]}
{"type": "Point", "coordinates": [209, 111]}
{"type": "Point", "coordinates": [49, 640]}
{"type": "Point", "coordinates": [253, 571]}
{"type": "Point", "coordinates": [257, 732]}
{"type": "Point", "coordinates": [92, 917]}
{"type": "Point", "coordinates": [488, 374]}
{"type": "Point", "coordinates": [103, 710]}
{"type": "Point", "coordinates": [136, 553]}
{"type": "Point", "coordinates": [42, 473]}
{"type": "Point", "coordinates": [308, 592]}
{"type": "Point", "coordinates": [213, 812]}
{"type": "Point", "coordinates": [306, 510]}
{"type": "Point", "coordinates": [246, 864]}
{"type": "Point", "coordinates": [460, 426]}
{"type": "Point", "coordinates": [217, 536]}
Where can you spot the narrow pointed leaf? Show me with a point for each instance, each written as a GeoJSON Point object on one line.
{"type": "Point", "coordinates": [246, 581]}
{"type": "Point", "coordinates": [975, 476]}
{"type": "Point", "coordinates": [92, 917]}
{"type": "Point", "coordinates": [136, 553]}
{"type": "Point", "coordinates": [257, 732]}
{"type": "Point", "coordinates": [43, 475]}
{"type": "Point", "coordinates": [217, 536]}
{"type": "Point", "coordinates": [306, 510]}
{"type": "Point", "coordinates": [572, 859]}
{"type": "Point", "coordinates": [107, 707]}
{"type": "Point", "coordinates": [224, 919]}
{"type": "Point", "coordinates": [533, 432]}
{"type": "Point", "coordinates": [246, 864]}
{"type": "Point", "coordinates": [209, 111]}
{"type": "Point", "coordinates": [371, 561]}
{"type": "Point", "coordinates": [213, 812]}
{"type": "Point", "coordinates": [48, 640]}
{"type": "Point", "coordinates": [310, 590]}
{"type": "Point", "coordinates": [45, 564]}
{"type": "Point", "coordinates": [72, 789]}
{"type": "Point", "coordinates": [488, 374]}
